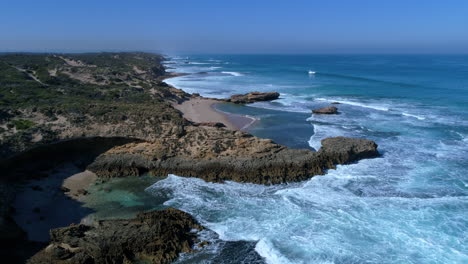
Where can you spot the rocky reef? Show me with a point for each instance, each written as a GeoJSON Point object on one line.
{"type": "Point", "coordinates": [329, 110]}
{"type": "Point", "coordinates": [253, 97]}
{"type": "Point", "coordinates": [153, 237]}
{"type": "Point", "coordinates": [217, 155]}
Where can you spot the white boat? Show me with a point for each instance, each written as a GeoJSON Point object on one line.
{"type": "Point", "coordinates": [311, 72]}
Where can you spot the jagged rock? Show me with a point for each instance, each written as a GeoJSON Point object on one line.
{"type": "Point", "coordinates": [218, 155]}
{"type": "Point", "coordinates": [253, 97]}
{"type": "Point", "coordinates": [211, 124]}
{"type": "Point", "coordinates": [329, 110]}
{"type": "Point", "coordinates": [153, 237]}
{"type": "Point", "coordinates": [343, 150]}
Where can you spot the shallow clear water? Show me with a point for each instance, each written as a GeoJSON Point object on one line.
{"type": "Point", "coordinates": [41, 204]}
{"type": "Point", "coordinates": [122, 198]}
{"type": "Point", "coordinates": [408, 206]}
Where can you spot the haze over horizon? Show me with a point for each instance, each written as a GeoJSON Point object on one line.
{"type": "Point", "coordinates": [335, 26]}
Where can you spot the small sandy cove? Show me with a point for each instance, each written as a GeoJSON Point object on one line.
{"type": "Point", "coordinates": [201, 110]}
{"type": "Point", "coordinates": [78, 183]}
{"type": "Point", "coordinates": [198, 110]}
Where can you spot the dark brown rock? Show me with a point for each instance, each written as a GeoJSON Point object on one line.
{"type": "Point", "coordinates": [329, 110]}
{"type": "Point", "coordinates": [253, 97]}
{"type": "Point", "coordinates": [211, 124]}
{"type": "Point", "coordinates": [153, 237]}
{"type": "Point", "coordinates": [342, 150]}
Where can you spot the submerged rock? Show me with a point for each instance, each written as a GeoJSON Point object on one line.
{"type": "Point", "coordinates": [153, 237]}
{"type": "Point", "coordinates": [253, 97]}
{"type": "Point", "coordinates": [329, 110]}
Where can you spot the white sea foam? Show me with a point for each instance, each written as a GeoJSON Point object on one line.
{"type": "Point", "coordinates": [384, 210]}
{"type": "Point", "coordinates": [321, 219]}
{"type": "Point", "coordinates": [380, 107]}
{"type": "Point", "coordinates": [463, 137]}
{"type": "Point", "coordinates": [415, 116]}
{"type": "Point", "coordinates": [232, 73]}
{"type": "Point", "coordinates": [252, 120]}
{"type": "Point", "coordinates": [286, 102]}
{"type": "Point", "coordinates": [371, 106]}
{"type": "Point", "coordinates": [272, 256]}
{"type": "Point", "coordinates": [323, 131]}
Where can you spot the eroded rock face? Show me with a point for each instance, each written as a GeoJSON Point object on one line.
{"type": "Point", "coordinates": [329, 110]}
{"type": "Point", "coordinates": [253, 97]}
{"type": "Point", "coordinates": [217, 155]}
{"type": "Point", "coordinates": [155, 237]}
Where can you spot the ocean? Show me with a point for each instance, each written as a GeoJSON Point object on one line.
{"type": "Point", "coordinates": [408, 206]}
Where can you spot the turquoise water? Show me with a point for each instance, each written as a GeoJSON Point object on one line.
{"type": "Point", "coordinates": [408, 206]}
{"type": "Point", "coordinates": [122, 198]}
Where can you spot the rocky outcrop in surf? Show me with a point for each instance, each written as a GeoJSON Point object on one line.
{"type": "Point", "coordinates": [153, 237]}
{"type": "Point", "coordinates": [253, 97]}
{"type": "Point", "coordinates": [217, 155]}
{"type": "Point", "coordinates": [329, 110]}
{"type": "Point", "coordinates": [343, 150]}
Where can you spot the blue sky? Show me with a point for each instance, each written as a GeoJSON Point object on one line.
{"type": "Point", "coordinates": [275, 26]}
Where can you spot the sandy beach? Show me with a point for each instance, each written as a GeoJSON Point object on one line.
{"type": "Point", "coordinates": [78, 183]}
{"type": "Point", "coordinates": [202, 110]}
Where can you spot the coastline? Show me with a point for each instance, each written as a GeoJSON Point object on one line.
{"type": "Point", "coordinates": [242, 121]}
{"type": "Point", "coordinates": [74, 187]}
{"type": "Point", "coordinates": [172, 75]}
{"type": "Point", "coordinates": [203, 110]}
{"type": "Point", "coordinates": [181, 147]}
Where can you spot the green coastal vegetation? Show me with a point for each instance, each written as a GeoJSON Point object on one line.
{"type": "Point", "coordinates": [22, 124]}
{"type": "Point", "coordinates": [42, 96]}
